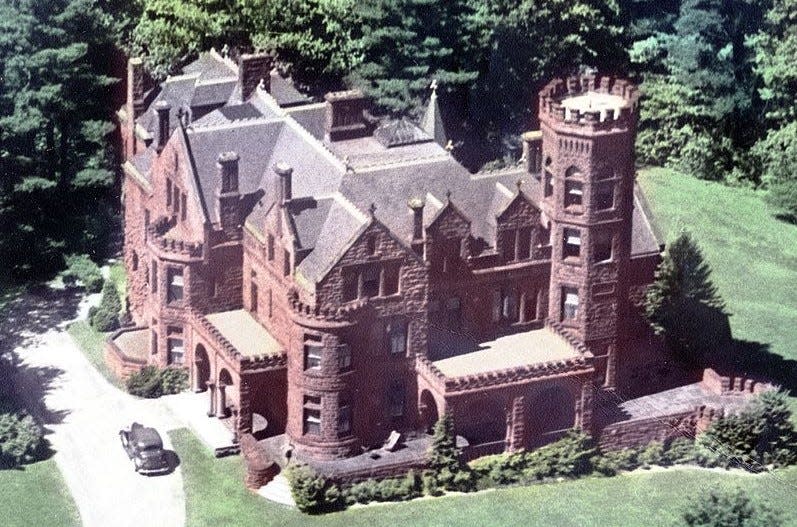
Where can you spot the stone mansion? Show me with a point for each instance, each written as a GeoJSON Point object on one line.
{"type": "Point", "coordinates": [338, 278]}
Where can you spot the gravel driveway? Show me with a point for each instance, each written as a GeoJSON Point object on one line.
{"type": "Point", "coordinates": [85, 438]}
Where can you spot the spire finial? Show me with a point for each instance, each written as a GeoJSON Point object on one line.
{"type": "Point", "coordinates": [433, 87]}
{"type": "Point", "coordinates": [449, 146]}
{"type": "Point", "coordinates": [519, 184]}
{"type": "Point", "coordinates": [372, 209]}
{"type": "Point", "coordinates": [448, 195]}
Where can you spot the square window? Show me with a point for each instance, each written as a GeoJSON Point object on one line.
{"type": "Point", "coordinates": [603, 249]}
{"type": "Point", "coordinates": [312, 421]}
{"type": "Point", "coordinates": [574, 191]}
{"type": "Point", "coordinates": [270, 247]}
{"type": "Point", "coordinates": [370, 281]}
{"type": "Point", "coordinates": [572, 243]}
{"type": "Point", "coordinates": [390, 285]}
{"type": "Point", "coordinates": [398, 338]}
{"type": "Point", "coordinates": [175, 292]}
{"type": "Point", "coordinates": [604, 196]}
{"type": "Point", "coordinates": [344, 357]}
{"type": "Point", "coordinates": [176, 351]}
{"type": "Point", "coordinates": [286, 263]}
{"type": "Point", "coordinates": [154, 278]}
{"type": "Point", "coordinates": [344, 419]}
{"type": "Point", "coordinates": [312, 357]}
{"type": "Point", "coordinates": [350, 285]}
{"type": "Point", "coordinates": [569, 303]}
{"type": "Point", "coordinates": [509, 308]}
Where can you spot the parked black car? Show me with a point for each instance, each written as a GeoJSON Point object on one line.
{"type": "Point", "coordinates": [145, 447]}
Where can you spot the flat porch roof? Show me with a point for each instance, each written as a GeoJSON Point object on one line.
{"type": "Point", "coordinates": [510, 351]}
{"type": "Point", "coordinates": [134, 344]}
{"type": "Point", "coordinates": [241, 329]}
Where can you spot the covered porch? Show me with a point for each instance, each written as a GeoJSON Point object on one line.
{"type": "Point", "coordinates": [509, 393]}
{"type": "Point", "coordinates": [233, 358]}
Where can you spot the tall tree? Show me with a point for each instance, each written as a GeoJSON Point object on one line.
{"type": "Point", "coordinates": [54, 155]}
{"type": "Point", "coordinates": [404, 45]}
{"type": "Point", "coordinates": [682, 303]}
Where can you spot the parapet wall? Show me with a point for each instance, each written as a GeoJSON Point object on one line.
{"type": "Point", "coordinates": [553, 111]}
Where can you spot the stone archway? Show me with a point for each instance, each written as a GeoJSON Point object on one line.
{"type": "Point", "coordinates": [551, 413]}
{"type": "Point", "coordinates": [201, 368]}
{"type": "Point", "coordinates": [427, 407]}
{"type": "Point", "coordinates": [483, 421]}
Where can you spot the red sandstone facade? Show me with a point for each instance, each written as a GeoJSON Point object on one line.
{"type": "Point", "coordinates": [344, 278]}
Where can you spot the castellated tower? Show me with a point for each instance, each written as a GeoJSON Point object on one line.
{"type": "Point", "coordinates": [588, 129]}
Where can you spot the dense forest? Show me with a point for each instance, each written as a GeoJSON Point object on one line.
{"type": "Point", "coordinates": [719, 81]}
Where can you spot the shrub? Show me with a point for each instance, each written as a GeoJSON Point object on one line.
{"type": "Point", "coordinates": [152, 382]}
{"type": "Point", "coordinates": [80, 268]}
{"type": "Point", "coordinates": [174, 380]}
{"type": "Point", "coordinates": [145, 383]}
{"type": "Point", "coordinates": [21, 439]}
{"type": "Point", "coordinates": [444, 459]}
{"type": "Point", "coordinates": [681, 451]}
{"type": "Point", "coordinates": [652, 454]}
{"type": "Point", "coordinates": [106, 317]}
{"type": "Point", "coordinates": [312, 492]}
{"type": "Point", "coordinates": [761, 434]}
{"type": "Point", "coordinates": [614, 461]}
{"type": "Point", "coordinates": [727, 508]}
{"type": "Point", "coordinates": [568, 457]}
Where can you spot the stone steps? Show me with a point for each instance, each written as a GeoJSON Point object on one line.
{"type": "Point", "coordinates": [278, 490]}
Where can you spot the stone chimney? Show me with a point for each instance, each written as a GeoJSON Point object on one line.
{"type": "Point", "coordinates": [416, 205]}
{"type": "Point", "coordinates": [285, 173]}
{"type": "Point", "coordinates": [252, 69]}
{"type": "Point", "coordinates": [162, 136]}
{"type": "Point", "coordinates": [532, 151]}
{"type": "Point", "coordinates": [345, 118]}
{"type": "Point", "coordinates": [135, 87]}
{"type": "Point", "coordinates": [228, 195]}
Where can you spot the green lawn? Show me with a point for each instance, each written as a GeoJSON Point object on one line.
{"type": "Point", "coordinates": [216, 496]}
{"type": "Point", "coordinates": [92, 343]}
{"type": "Point", "coordinates": [36, 497]}
{"type": "Point", "coordinates": [753, 255]}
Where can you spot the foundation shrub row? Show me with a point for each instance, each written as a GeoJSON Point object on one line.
{"type": "Point", "coordinates": [759, 437]}
{"type": "Point", "coordinates": [152, 382]}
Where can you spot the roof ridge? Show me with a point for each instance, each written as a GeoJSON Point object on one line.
{"type": "Point", "coordinates": [238, 123]}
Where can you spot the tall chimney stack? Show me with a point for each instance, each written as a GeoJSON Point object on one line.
{"type": "Point", "coordinates": [532, 151]}
{"type": "Point", "coordinates": [345, 119]}
{"type": "Point", "coordinates": [227, 164]}
{"type": "Point", "coordinates": [162, 108]}
{"type": "Point", "coordinates": [285, 173]}
{"type": "Point", "coordinates": [252, 69]}
{"type": "Point", "coordinates": [228, 196]}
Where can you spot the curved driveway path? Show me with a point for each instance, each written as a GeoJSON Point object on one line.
{"type": "Point", "coordinates": [99, 474]}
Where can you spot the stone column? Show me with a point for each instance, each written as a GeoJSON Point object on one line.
{"type": "Point", "coordinates": [212, 394]}
{"type": "Point", "coordinates": [221, 409]}
{"type": "Point", "coordinates": [197, 381]}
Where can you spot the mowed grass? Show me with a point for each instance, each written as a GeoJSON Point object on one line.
{"type": "Point", "coordinates": [92, 343]}
{"type": "Point", "coordinates": [216, 496]}
{"type": "Point", "coordinates": [753, 255]}
{"type": "Point", "coordinates": [36, 496]}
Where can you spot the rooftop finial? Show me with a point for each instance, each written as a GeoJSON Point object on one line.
{"type": "Point", "coordinates": [519, 184]}
{"type": "Point", "coordinates": [450, 146]}
{"type": "Point", "coordinates": [433, 86]}
{"type": "Point", "coordinates": [448, 194]}
{"type": "Point", "coordinates": [225, 51]}
{"type": "Point", "coordinates": [372, 209]}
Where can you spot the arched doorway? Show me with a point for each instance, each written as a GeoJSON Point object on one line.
{"type": "Point", "coordinates": [483, 421]}
{"type": "Point", "coordinates": [428, 410]}
{"type": "Point", "coordinates": [551, 414]}
{"type": "Point", "coordinates": [201, 368]}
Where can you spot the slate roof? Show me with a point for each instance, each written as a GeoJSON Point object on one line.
{"type": "Point", "coordinates": [334, 184]}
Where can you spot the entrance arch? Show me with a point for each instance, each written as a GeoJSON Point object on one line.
{"type": "Point", "coordinates": [551, 414]}
{"type": "Point", "coordinates": [428, 410]}
{"type": "Point", "coordinates": [201, 368]}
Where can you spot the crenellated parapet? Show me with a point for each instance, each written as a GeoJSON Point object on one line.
{"type": "Point", "coordinates": [247, 362]}
{"type": "Point", "coordinates": [156, 236]}
{"type": "Point", "coordinates": [450, 385]}
{"type": "Point", "coordinates": [591, 102]}
{"type": "Point", "coordinates": [323, 316]}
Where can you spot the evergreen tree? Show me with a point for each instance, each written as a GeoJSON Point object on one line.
{"type": "Point", "coordinates": [54, 155]}
{"type": "Point", "coordinates": [682, 303]}
{"type": "Point", "coordinates": [443, 453]}
{"type": "Point", "coordinates": [106, 317]}
{"type": "Point", "coordinates": [404, 45]}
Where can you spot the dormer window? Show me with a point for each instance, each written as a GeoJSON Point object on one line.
{"type": "Point", "coordinates": [176, 284]}
{"type": "Point", "coordinates": [370, 281]}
